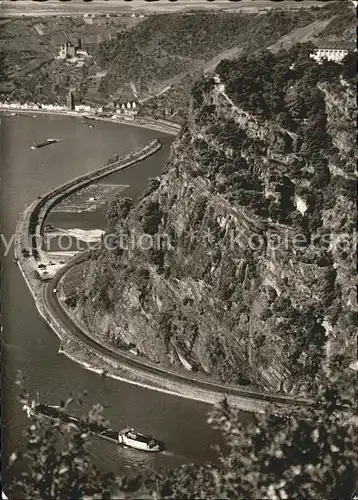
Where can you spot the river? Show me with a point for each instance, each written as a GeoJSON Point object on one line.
{"type": "Point", "coordinates": [29, 345]}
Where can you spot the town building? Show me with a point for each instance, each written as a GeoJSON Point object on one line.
{"type": "Point", "coordinates": [128, 108]}
{"type": "Point", "coordinates": [331, 51]}
{"type": "Point", "coordinates": [83, 108]}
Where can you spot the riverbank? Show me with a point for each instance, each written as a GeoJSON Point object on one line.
{"type": "Point", "coordinates": [28, 250]}
{"type": "Point", "coordinates": [29, 230]}
{"type": "Point", "coordinates": [164, 126]}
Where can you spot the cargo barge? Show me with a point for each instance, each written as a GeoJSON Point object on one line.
{"type": "Point", "coordinates": [43, 144]}
{"type": "Point", "coordinates": [127, 437]}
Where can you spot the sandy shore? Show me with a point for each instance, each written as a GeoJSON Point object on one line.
{"type": "Point", "coordinates": [87, 235]}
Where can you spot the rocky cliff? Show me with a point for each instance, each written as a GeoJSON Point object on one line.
{"type": "Point", "coordinates": [238, 262]}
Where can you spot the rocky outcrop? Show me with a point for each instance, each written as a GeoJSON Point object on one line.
{"type": "Point", "coordinates": [226, 267]}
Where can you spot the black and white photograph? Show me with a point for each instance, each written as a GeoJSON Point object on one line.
{"type": "Point", "coordinates": [178, 217]}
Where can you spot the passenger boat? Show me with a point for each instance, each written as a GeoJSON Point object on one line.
{"type": "Point", "coordinates": [127, 437]}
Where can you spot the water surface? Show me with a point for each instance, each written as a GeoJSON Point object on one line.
{"type": "Point", "coordinates": [30, 345]}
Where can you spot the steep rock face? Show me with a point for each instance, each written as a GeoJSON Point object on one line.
{"type": "Point", "coordinates": [230, 263]}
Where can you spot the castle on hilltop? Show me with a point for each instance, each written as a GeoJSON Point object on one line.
{"type": "Point", "coordinates": [69, 51]}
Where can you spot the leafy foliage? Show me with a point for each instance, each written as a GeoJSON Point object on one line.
{"type": "Point", "coordinates": [151, 218]}
{"type": "Point", "coordinates": [117, 210]}
{"type": "Point", "coordinates": [307, 453]}
{"type": "Point", "coordinates": [25, 253]}
{"type": "Point", "coordinates": [56, 463]}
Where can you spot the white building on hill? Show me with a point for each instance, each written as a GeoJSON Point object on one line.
{"type": "Point", "coordinates": [331, 51]}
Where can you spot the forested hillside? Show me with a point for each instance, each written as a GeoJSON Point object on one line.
{"type": "Point", "coordinates": [146, 56]}
{"type": "Point", "coordinates": [256, 285]}
{"type": "Point", "coordinates": [171, 50]}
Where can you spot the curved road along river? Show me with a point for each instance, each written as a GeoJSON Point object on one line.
{"type": "Point", "coordinates": [246, 399]}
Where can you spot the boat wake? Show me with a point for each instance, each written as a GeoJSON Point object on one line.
{"type": "Point", "coordinates": [171, 454]}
